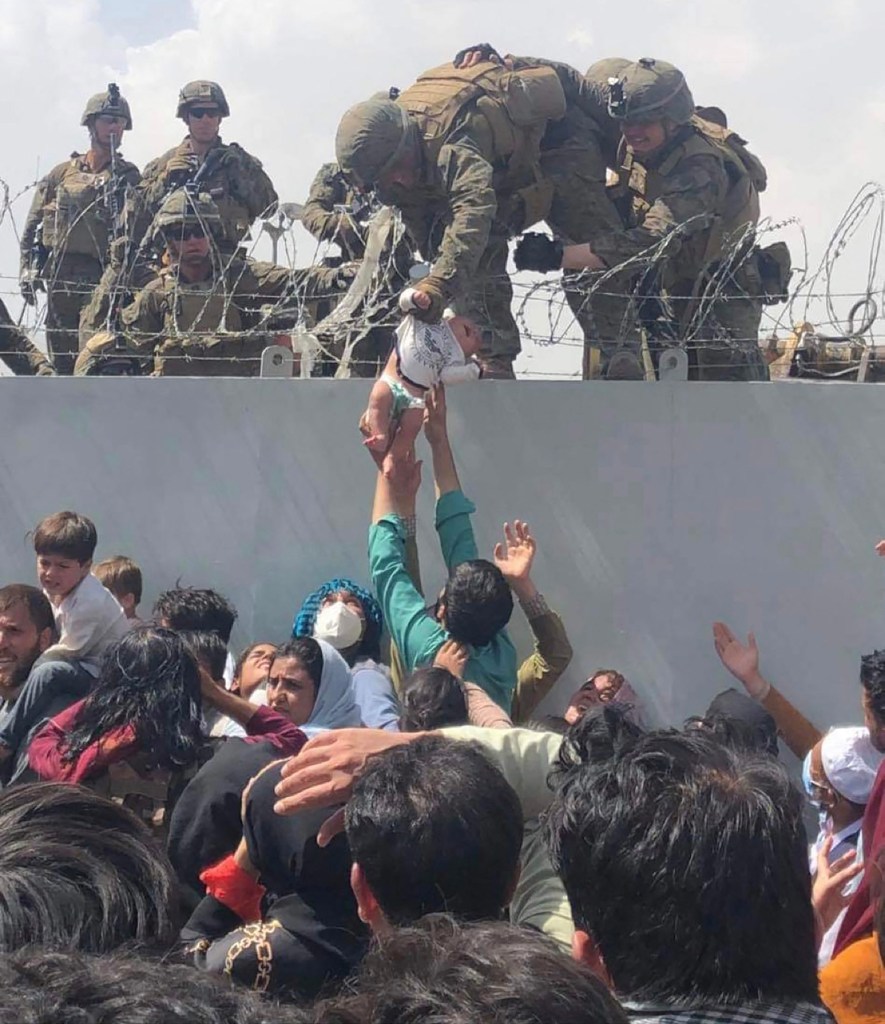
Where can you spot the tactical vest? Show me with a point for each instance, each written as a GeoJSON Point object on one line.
{"type": "Point", "coordinates": [516, 105]}
{"type": "Point", "coordinates": [76, 223]}
{"type": "Point", "coordinates": [205, 335]}
{"type": "Point", "coordinates": [736, 210]}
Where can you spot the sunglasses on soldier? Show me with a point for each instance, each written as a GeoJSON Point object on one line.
{"type": "Point", "coordinates": [189, 231]}
{"type": "Point", "coordinates": [201, 112]}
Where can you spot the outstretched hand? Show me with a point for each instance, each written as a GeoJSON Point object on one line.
{"type": "Point", "coordinates": [470, 56]}
{"type": "Point", "coordinates": [515, 556]}
{"type": "Point", "coordinates": [830, 880]}
{"type": "Point", "coordinates": [453, 657]}
{"type": "Point", "coordinates": [435, 427]}
{"type": "Point", "coordinates": [880, 548]}
{"type": "Point", "coordinates": [741, 660]}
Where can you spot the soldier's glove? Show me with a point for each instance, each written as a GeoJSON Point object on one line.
{"type": "Point", "coordinates": [179, 169]}
{"type": "Point", "coordinates": [536, 251]}
{"type": "Point", "coordinates": [414, 300]}
{"type": "Point", "coordinates": [484, 51]}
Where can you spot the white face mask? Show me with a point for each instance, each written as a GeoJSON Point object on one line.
{"type": "Point", "coordinates": [339, 625]}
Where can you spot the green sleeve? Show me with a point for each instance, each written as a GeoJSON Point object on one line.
{"type": "Point", "coordinates": [416, 635]}
{"type": "Point", "coordinates": [455, 529]}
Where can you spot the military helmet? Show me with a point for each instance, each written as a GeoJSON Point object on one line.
{"type": "Point", "coordinates": [183, 207]}
{"type": "Point", "coordinates": [650, 90]}
{"type": "Point", "coordinates": [108, 102]}
{"type": "Point", "coordinates": [599, 73]}
{"type": "Point", "coordinates": [201, 92]}
{"type": "Point", "coordinates": [371, 139]}
{"type": "Point", "coordinates": [107, 355]}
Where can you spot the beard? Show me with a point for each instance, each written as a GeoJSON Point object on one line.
{"type": "Point", "coordinates": [14, 676]}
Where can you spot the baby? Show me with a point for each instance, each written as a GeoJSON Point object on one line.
{"type": "Point", "coordinates": [425, 355]}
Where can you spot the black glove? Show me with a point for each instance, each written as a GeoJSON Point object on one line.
{"type": "Point", "coordinates": [486, 52]}
{"type": "Point", "coordinates": [535, 251]}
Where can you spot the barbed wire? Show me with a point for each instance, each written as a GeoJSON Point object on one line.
{"type": "Point", "coordinates": [559, 311]}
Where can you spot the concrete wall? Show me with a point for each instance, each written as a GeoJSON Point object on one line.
{"type": "Point", "coordinates": [657, 509]}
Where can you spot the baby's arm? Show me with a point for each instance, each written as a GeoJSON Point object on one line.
{"type": "Point", "coordinates": [456, 373]}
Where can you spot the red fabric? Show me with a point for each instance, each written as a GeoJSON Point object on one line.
{"type": "Point", "coordinates": [235, 888]}
{"type": "Point", "coordinates": [267, 724]}
{"type": "Point", "coordinates": [46, 750]}
{"type": "Point", "coordinates": [858, 920]}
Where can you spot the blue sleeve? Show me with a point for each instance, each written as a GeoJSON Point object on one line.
{"type": "Point", "coordinates": [416, 634]}
{"type": "Point", "coordinates": [455, 530]}
{"type": "Point", "coordinates": [40, 697]}
{"type": "Point", "coordinates": [373, 693]}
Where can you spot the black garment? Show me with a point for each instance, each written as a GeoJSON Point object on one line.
{"type": "Point", "coordinates": [310, 937]}
{"type": "Point", "coordinates": [755, 724]}
{"type": "Point", "coordinates": [205, 825]}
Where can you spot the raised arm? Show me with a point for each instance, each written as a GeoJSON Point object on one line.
{"type": "Point", "coordinates": [445, 475]}
{"type": "Point", "coordinates": [742, 661]}
{"type": "Point", "coordinates": [553, 652]}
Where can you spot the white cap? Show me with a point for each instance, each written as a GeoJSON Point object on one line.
{"type": "Point", "coordinates": [850, 762]}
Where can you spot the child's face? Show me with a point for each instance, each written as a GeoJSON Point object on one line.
{"type": "Point", "coordinates": [59, 575]}
{"type": "Point", "coordinates": [466, 334]}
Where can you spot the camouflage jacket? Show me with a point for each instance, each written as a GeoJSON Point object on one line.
{"type": "Point", "coordinates": [215, 327]}
{"type": "Point", "coordinates": [319, 216]}
{"type": "Point", "coordinates": [70, 213]}
{"type": "Point", "coordinates": [684, 187]}
{"type": "Point", "coordinates": [237, 183]}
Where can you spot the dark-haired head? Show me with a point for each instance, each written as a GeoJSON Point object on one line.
{"type": "Point", "coordinates": [193, 609]}
{"type": "Point", "coordinates": [872, 678]}
{"type": "Point", "coordinates": [209, 651]}
{"type": "Point", "coordinates": [27, 628]}
{"type": "Point", "coordinates": [250, 671]}
{"type": "Point", "coordinates": [476, 603]}
{"type": "Point", "coordinates": [432, 698]}
{"type": "Point", "coordinates": [148, 681]}
{"type": "Point", "coordinates": [39, 986]}
{"type": "Point", "coordinates": [454, 973]}
{"type": "Point", "coordinates": [685, 863]}
{"type": "Point", "coordinates": [294, 677]}
{"type": "Point", "coordinates": [80, 872]}
{"type": "Point", "coordinates": [66, 535]}
{"type": "Point", "coordinates": [433, 826]}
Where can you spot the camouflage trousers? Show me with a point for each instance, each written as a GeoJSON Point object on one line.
{"type": "Point", "coordinates": [723, 334]}
{"type": "Point", "coordinates": [69, 283]}
{"type": "Point", "coordinates": [601, 303]}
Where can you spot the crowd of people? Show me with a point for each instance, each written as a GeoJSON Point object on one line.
{"type": "Point", "coordinates": [371, 821]}
{"type": "Point", "coordinates": [652, 201]}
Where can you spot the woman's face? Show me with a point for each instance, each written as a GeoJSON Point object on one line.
{"type": "Point", "coordinates": [348, 598]}
{"type": "Point", "coordinates": [254, 669]}
{"type": "Point", "coordinates": [601, 690]}
{"type": "Point", "coordinates": [290, 690]}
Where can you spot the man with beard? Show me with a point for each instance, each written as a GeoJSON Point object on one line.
{"type": "Point", "coordinates": [31, 690]}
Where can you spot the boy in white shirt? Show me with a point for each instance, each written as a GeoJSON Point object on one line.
{"type": "Point", "coordinates": [88, 618]}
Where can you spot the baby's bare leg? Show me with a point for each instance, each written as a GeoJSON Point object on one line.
{"type": "Point", "coordinates": [375, 421]}
{"type": "Point", "coordinates": [404, 439]}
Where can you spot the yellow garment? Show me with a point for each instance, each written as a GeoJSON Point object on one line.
{"type": "Point", "coordinates": [853, 984]}
{"type": "Point", "coordinates": [525, 757]}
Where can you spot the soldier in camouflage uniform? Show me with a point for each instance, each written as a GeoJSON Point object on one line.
{"type": "Point", "coordinates": [335, 212]}
{"type": "Point", "coordinates": [693, 187]}
{"type": "Point", "coordinates": [236, 181]}
{"type": "Point", "coordinates": [201, 316]}
{"type": "Point", "coordinates": [17, 350]}
{"type": "Point", "coordinates": [469, 156]}
{"type": "Point", "coordinates": [65, 239]}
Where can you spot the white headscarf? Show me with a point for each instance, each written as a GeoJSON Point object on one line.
{"type": "Point", "coordinates": [335, 707]}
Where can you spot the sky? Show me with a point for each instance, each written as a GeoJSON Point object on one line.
{"type": "Point", "coordinates": [803, 83]}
